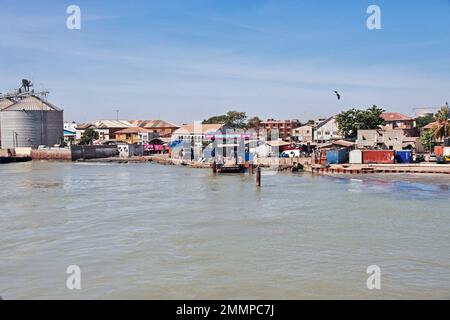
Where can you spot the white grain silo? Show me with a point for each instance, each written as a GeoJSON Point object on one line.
{"type": "Point", "coordinates": [30, 122]}
{"type": "Point", "coordinates": [4, 103]}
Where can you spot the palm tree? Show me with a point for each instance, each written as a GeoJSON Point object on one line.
{"type": "Point", "coordinates": [442, 127]}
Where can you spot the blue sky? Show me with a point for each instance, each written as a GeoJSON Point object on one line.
{"type": "Point", "coordinates": [186, 60]}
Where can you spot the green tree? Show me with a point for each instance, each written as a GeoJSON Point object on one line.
{"type": "Point", "coordinates": [442, 129]}
{"type": "Point", "coordinates": [88, 136]}
{"type": "Point", "coordinates": [233, 119]}
{"type": "Point", "coordinates": [350, 121]}
{"type": "Point", "coordinates": [423, 121]}
{"type": "Point", "coordinates": [254, 123]}
{"type": "Point", "coordinates": [216, 119]}
{"type": "Point", "coordinates": [427, 139]}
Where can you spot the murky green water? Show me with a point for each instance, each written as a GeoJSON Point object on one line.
{"type": "Point", "coordinates": [148, 231]}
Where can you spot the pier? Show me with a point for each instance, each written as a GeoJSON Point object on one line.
{"type": "Point", "coordinates": [381, 168]}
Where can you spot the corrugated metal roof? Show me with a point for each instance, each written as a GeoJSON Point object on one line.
{"type": "Point", "coordinates": [153, 124]}
{"type": "Point", "coordinates": [199, 128]}
{"type": "Point", "coordinates": [324, 122]}
{"type": "Point", "coordinates": [83, 126]}
{"type": "Point", "coordinates": [107, 124]}
{"type": "Point", "coordinates": [32, 103]}
{"type": "Point", "coordinates": [343, 143]}
{"type": "Point", "coordinates": [133, 130]}
{"type": "Point", "coordinates": [4, 103]}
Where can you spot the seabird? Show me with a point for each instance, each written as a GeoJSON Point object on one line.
{"type": "Point", "coordinates": [337, 95]}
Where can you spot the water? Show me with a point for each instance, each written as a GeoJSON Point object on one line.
{"type": "Point", "coordinates": [145, 231]}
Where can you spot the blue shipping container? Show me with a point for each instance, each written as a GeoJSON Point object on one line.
{"type": "Point", "coordinates": [403, 156]}
{"type": "Point", "coordinates": [337, 156]}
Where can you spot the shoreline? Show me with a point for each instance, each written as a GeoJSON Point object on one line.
{"type": "Point", "coordinates": [279, 164]}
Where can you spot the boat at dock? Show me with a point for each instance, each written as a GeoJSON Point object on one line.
{"type": "Point", "coordinates": [230, 165]}
{"type": "Point", "coordinates": [230, 168]}
{"type": "Point", "coordinates": [14, 159]}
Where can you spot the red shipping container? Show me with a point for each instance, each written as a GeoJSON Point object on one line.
{"type": "Point", "coordinates": [439, 151]}
{"type": "Point", "coordinates": [378, 156]}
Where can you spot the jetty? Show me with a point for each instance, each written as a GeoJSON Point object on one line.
{"type": "Point", "coordinates": [417, 168]}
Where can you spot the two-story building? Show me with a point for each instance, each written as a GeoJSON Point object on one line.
{"type": "Point", "coordinates": [395, 120]}
{"type": "Point", "coordinates": [135, 135]}
{"type": "Point", "coordinates": [197, 133]}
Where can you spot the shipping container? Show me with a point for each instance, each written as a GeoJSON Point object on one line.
{"type": "Point", "coordinates": [403, 156]}
{"type": "Point", "coordinates": [446, 151]}
{"type": "Point", "coordinates": [356, 156]}
{"type": "Point", "coordinates": [439, 151]}
{"type": "Point", "coordinates": [378, 156]}
{"type": "Point", "coordinates": [337, 156]}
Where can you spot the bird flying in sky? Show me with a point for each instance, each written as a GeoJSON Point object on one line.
{"type": "Point", "coordinates": [337, 95]}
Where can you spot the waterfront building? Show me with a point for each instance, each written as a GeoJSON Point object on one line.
{"type": "Point", "coordinates": [392, 139]}
{"type": "Point", "coordinates": [303, 134]}
{"type": "Point", "coordinates": [70, 126]}
{"type": "Point", "coordinates": [81, 128]}
{"type": "Point", "coordinates": [69, 137]}
{"type": "Point", "coordinates": [160, 127]}
{"type": "Point", "coordinates": [105, 128]}
{"type": "Point", "coordinates": [327, 130]}
{"type": "Point", "coordinates": [134, 135]}
{"type": "Point", "coordinates": [395, 120]}
{"type": "Point", "coordinates": [197, 133]}
{"type": "Point", "coordinates": [283, 127]}
{"type": "Point", "coordinates": [271, 148]}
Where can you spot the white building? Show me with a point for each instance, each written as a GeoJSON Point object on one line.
{"type": "Point", "coordinates": [327, 130]}
{"type": "Point", "coordinates": [70, 126]}
{"type": "Point", "coordinates": [197, 133]}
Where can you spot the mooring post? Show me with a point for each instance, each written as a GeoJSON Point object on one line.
{"type": "Point", "coordinates": [250, 169]}
{"type": "Point", "coordinates": [258, 176]}
{"type": "Point", "coordinates": [214, 167]}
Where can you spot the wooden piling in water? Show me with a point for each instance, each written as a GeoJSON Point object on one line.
{"type": "Point", "coordinates": [250, 169]}
{"type": "Point", "coordinates": [214, 167]}
{"type": "Point", "coordinates": [258, 176]}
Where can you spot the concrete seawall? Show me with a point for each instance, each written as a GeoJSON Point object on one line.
{"type": "Point", "coordinates": [75, 153]}
{"type": "Point", "coordinates": [51, 154]}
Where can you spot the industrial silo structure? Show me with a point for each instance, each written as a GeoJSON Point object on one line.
{"type": "Point", "coordinates": [30, 121]}
{"type": "Point", "coordinates": [4, 103]}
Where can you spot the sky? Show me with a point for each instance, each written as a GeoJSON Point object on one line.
{"type": "Point", "coordinates": [187, 60]}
